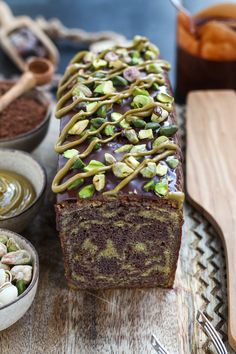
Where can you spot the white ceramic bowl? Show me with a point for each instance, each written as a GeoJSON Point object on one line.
{"type": "Point", "coordinates": [30, 140]}
{"type": "Point", "coordinates": [23, 164]}
{"type": "Point", "coordinates": [12, 312]}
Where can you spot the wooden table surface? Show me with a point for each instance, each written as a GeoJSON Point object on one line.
{"type": "Point", "coordinates": [119, 321]}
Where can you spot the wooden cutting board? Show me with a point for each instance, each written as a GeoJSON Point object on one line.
{"type": "Point", "coordinates": [211, 174]}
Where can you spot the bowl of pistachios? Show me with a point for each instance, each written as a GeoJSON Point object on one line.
{"type": "Point", "coordinates": [19, 273]}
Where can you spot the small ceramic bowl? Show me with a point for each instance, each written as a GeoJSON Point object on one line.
{"type": "Point", "coordinates": [13, 311]}
{"type": "Point", "coordinates": [30, 140]}
{"type": "Point", "coordinates": [23, 164]}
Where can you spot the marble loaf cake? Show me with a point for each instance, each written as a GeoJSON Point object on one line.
{"type": "Point", "coordinates": [119, 182]}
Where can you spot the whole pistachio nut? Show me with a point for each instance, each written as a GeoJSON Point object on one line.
{"type": "Point", "coordinates": [172, 163]}
{"type": "Point", "coordinates": [149, 171]}
{"type": "Point", "coordinates": [3, 249]}
{"type": "Point", "coordinates": [111, 56]}
{"type": "Point", "coordinates": [93, 164]}
{"type": "Point", "coordinates": [3, 239]}
{"type": "Point", "coordinates": [124, 148]}
{"type": "Point", "coordinates": [140, 101]}
{"type": "Point", "coordinates": [87, 191]}
{"type": "Point", "coordinates": [132, 162]}
{"type": "Point", "coordinates": [160, 140]}
{"type": "Point", "coordinates": [121, 170]}
{"type": "Point", "coordinates": [12, 245]}
{"type": "Point", "coordinates": [145, 134]}
{"type": "Point", "coordinates": [161, 169]}
{"type": "Point", "coordinates": [99, 182]}
{"type": "Point", "coordinates": [22, 272]}
{"type": "Point", "coordinates": [168, 130]}
{"type": "Point", "coordinates": [8, 294]}
{"type": "Point", "coordinates": [149, 186]}
{"type": "Point", "coordinates": [21, 286]}
{"type": "Point", "coordinates": [152, 125]}
{"type": "Point", "coordinates": [110, 159]}
{"type": "Point", "coordinates": [161, 188]}
{"type": "Point", "coordinates": [131, 74]}
{"type": "Point", "coordinates": [131, 136]}
{"type": "Point", "coordinates": [17, 257]}
{"type": "Point", "coordinates": [78, 127]}
{"type": "Point", "coordinates": [164, 97]}
{"type": "Point", "coordinates": [105, 88]}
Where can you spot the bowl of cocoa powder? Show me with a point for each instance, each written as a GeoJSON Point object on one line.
{"type": "Point", "coordinates": [24, 123]}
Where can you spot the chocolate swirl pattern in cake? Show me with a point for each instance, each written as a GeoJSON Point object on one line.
{"type": "Point", "coordinates": [119, 124]}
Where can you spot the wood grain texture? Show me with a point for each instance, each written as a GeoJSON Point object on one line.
{"type": "Point", "coordinates": [211, 173]}
{"type": "Point", "coordinates": [119, 321]}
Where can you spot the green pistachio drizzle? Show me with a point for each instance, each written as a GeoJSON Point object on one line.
{"type": "Point", "coordinates": [87, 70]}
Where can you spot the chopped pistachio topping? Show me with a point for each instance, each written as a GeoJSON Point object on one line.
{"type": "Point", "coordinates": [97, 122]}
{"type": "Point", "coordinates": [77, 183]}
{"type": "Point", "coordinates": [168, 130]}
{"type": "Point", "coordinates": [172, 163]}
{"type": "Point", "coordinates": [140, 101]}
{"type": "Point", "coordinates": [145, 134]}
{"type": "Point", "coordinates": [138, 123]}
{"type": "Point", "coordinates": [132, 162]}
{"type": "Point", "coordinates": [161, 169]}
{"type": "Point", "coordinates": [161, 188]}
{"type": "Point", "coordinates": [119, 81]}
{"type": "Point", "coordinates": [160, 140]}
{"type": "Point", "coordinates": [165, 98]}
{"type": "Point", "coordinates": [105, 88]}
{"type": "Point", "coordinates": [78, 127]}
{"type": "Point", "coordinates": [87, 191]}
{"type": "Point", "coordinates": [99, 63]}
{"type": "Point", "coordinates": [78, 164]}
{"type": "Point", "coordinates": [138, 148]}
{"type": "Point", "coordinates": [110, 159]}
{"type": "Point", "coordinates": [154, 68]}
{"type": "Point", "coordinates": [109, 130]}
{"type": "Point", "coordinates": [149, 171]}
{"type": "Point", "coordinates": [99, 182]}
{"type": "Point", "coordinates": [137, 91]}
{"type": "Point", "coordinates": [131, 136]}
{"type": "Point", "coordinates": [121, 170]}
{"type": "Point", "coordinates": [149, 186]}
{"type": "Point", "coordinates": [70, 153]}
{"type": "Point", "coordinates": [93, 165]}
{"type": "Point", "coordinates": [124, 148]}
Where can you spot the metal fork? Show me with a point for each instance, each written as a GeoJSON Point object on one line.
{"type": "Point", "coordinates": [157, 345]}
{"type": "Point", "coordinates": [211, 333]}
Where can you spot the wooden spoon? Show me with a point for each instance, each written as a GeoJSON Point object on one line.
{"type": "Point", "coordinates": [211, 174]}
{"type": "Point", "coordinates": [39, 72]}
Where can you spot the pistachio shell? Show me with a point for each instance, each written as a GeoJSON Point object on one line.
{"type": "Point", "coordinates": [99, 182]}
{"type": "Point", "coordinates": [17, 257]}
{"type": "Point", "coordinates": [8, 294]}
{"type": "Point", "coordinates": [12, 245]}
{"type": "Point", "coordinates": [3, 249]}
{"type": "Point", "coordinates": [145, 134]}
{"type": "Point", "coordinates": [22, 272]}
{"type": "Point", "coordinates": [78, 127]}
{"type": "Point", "coordinates": [131, 136]}
{"type": "Point", "coordinates": [110, 159]}
{"type": "Point", "coordinates": [121, 170]}
{"type": "Point", "coordinates": [161, 169]}
{"type": "Point", "coordinates": [149, 171]}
